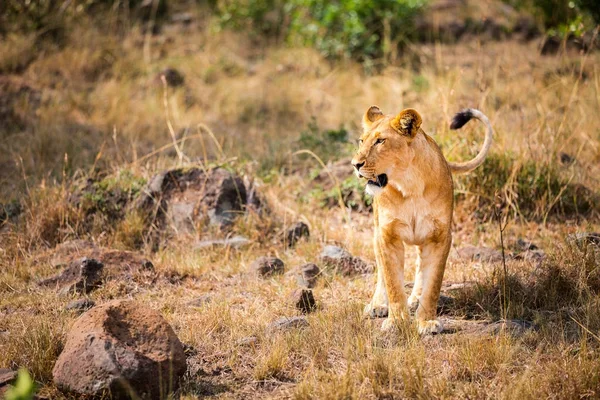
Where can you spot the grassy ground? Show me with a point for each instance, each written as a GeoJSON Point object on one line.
{"type": "Point", "coordinates": [99, 110]}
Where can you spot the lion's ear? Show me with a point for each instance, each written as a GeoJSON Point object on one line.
{"type": "Point", "coordinates": [372, 115]}
{"type": "Point", "coordinates": [407, 122]}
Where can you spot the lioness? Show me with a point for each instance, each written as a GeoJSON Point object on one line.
{"type": "Point", "coordinates": [411, 182]}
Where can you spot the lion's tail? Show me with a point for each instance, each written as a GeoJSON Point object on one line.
{"type": "Point", "coordinates": [459, 120]}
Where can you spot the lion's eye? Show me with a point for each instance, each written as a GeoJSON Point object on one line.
{"type": "Point", "coordinates": [379, 141]}
{"type": "Point", "coordinates": [360, 141]}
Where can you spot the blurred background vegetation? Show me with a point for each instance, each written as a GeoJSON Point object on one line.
{"type": "Point", "coordinates": [359, 29]}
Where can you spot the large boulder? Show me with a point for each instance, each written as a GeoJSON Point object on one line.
{"type": "Point", "coordinates": [121, 348]}
{"type": "Point", "coordinates": [186, 199]}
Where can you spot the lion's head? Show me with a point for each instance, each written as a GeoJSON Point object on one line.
{"type": "Point", "coordinates": [384, 146]}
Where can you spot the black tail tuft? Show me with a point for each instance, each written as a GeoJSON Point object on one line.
{"type": "Point", "coordinates": [461, 118]}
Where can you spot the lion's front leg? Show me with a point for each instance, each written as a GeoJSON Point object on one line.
{"type": "Point", "coordinates": [391, 257]}
{"type": "Point", "coordinates": [433, 264]}
{"type": "Point", "coordinates": [378, 307]}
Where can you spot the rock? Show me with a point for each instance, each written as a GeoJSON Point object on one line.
{"type": "Point", "coordinates": [200, 301]}
{"type": "Point", "coordinates": [566, 159]}
{"type": "Point", "coordinates": [287, 323]}
{"type": "Point", "coordinates": [121, 347]}
{"type": "Point", "coordinates": [119, 265]}
{"type": "Point", "coordinates": [7, 377]}
{"type": "Point", "coordinates": [235, 242]}
{"type": "Point", "coordinates": [308, 276]}
{"type": "Point", "coordinates": [296, 232]}
{"type": "Point", "coordinates": [514, 327]}
{"type": "Point", "coordinates": [9, 212]}
{"type": "Point", "coordinates": [481, 254]}
{"type": "Point", "coordinates": [584, 238]}
{"type": "Point", "coordinates": [185, 200]}
{"type": "Point", "coordinates": [248, 341]}
{"type": "Point", "coordinates": [527, 251]}
{"type": "Point", "coordinates": [172, 76]}
{"type": "Point", "coordinates": [445, 304]}
{"type": "Point", "coordinates": [343, 262]}
{"type": "Point", "coordinates": [80, 305]}
{"type": "Point", "coordinates": [184, 18]}
{"type": "Point", "coordinates": [303, 300]}
{"type": "Point", "coordinates": [524, 245]}
{"type": "Point", "coordinates": [267, 266]}
{"type": "Point", "coordinates": [81, 276]}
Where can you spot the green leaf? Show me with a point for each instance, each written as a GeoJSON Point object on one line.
{"type": "Point", "coordinates": [24, 387]}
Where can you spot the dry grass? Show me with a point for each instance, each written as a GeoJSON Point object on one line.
{"type": "Point", "coordinates": [102, 112]}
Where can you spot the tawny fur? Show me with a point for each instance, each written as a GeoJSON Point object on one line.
{"type": "Point", "coordinates": [413, 208]}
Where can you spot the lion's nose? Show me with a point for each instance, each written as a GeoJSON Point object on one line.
{"type": "Point", "coordinates": [358, 165]}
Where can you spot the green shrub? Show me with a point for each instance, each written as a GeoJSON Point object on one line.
{"type": "Point", "coordinates": [358, 29]}
{"type": "Point", "coordinates": [328, 144]}
{"type": "Point", "coordinates": [562, 16]}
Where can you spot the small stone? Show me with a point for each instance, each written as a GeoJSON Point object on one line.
{"type": "Point", "coordinates": [445, 304]}
{"type": "Point", "coordinates": [308, 276]}
{"type": "Point", "coordinates": [566, 159]}
{"type": "Point", "coordinates": [147, 265]}
{"type": "Point", "coordinates": [267, 266]}
{"type": "Point", "coordinates": [585, 238]}
{"type": "Point", "coordinates": [200, 301]}
{"type": "Point", "coordinates": [288, 323]}
{"type": "Point", "coordinates": [303, 300]}
{"type": "Point", "coordinates": [235, 242]}
{"type": "Point", "coordinates": [248, 341]}
{"type": "Point", "coordinates": [81, 276]}
{"type": "Point", "coordinates": [343, 262]}
{"type": "Point", "coordinates": [172, 76]}
{"type": "Point", "coordinates": [481, 254]}
{"type": "Point", "coordinates": [296, 232]}
{"type": "Point", "coordinates": [7, 376]}
{"type": "Point", "coordinates": [80, 305]}
{"type": "Point", "coordinates": [514, 327]}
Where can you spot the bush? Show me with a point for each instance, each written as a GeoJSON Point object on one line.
{"type": "Point", "coordinates": [358, 29]}
{"type": "Point", "coordinates": [526, 189]}
{"type": "Point", "coordinates": [563, 16]}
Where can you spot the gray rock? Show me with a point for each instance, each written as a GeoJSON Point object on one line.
{"type": "Point", "coordinates": [200, 301]}
{"type": "Point", "coordinates": [308, 276]}
{"type": "Point", "coordinates": [81, 276]}
{"type": "Point", "coordinates": [122, 348]}
{"type": "Point", "coordinates": [303, 300]}
{"type": "Point", "coordinates": [248, 341]}
{"type": "Point", "coordinates": [267, 266]}
{"type": "Point", "coordinates": [80, 305]}
{"type": "Point", "coordinates": [343, 262]}
{"type": "Point", "coordinates": [287, 323]}
{"type": "Point", "coordinates": [584, 238]}
{"type": "Point", "coordinates": [481, 254]}
{"type": "Point", "coordinates": [7, 376]}
{"type": "Point", "coordinates": [235, 242]}
{"type": "Point", "coordinates": [514, 327]}
{"type": "Point", "coordinates": [295, 233]}
{"type": "Point", "coordinates": [187, 199]}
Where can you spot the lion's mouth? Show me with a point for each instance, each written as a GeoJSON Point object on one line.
{"type": "Point", "coordinates": [379, 181]}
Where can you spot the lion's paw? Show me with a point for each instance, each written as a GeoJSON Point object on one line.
{"type": "Point", "coordinates": [379, 311]}
{"type": "Point", "coordinates": [430, 327]}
